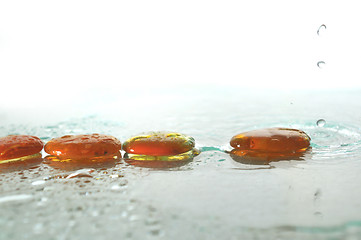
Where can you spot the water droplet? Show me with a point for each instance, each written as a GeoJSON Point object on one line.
{"type": "Point", "coordinates": [321, 29]}
{"type": "Point", "coordinates": [116, 188]}
{"type": "Point", "coordinates": [81, 173]}
{"type": "Point", "coordinates": [11, 198]}
{"type": "Point", "coordinates": [320, 64]}
{"type": "Point", "coordinates": [115, 176]}
{"type": "Point", "coordinates": [321, 122]}
{"type": "Point", "coordinates": [39, 182]}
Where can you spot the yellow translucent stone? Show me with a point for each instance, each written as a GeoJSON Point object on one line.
{"type": "Point", "coordinates": [159, 144]}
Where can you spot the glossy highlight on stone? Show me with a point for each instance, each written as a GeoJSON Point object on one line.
{"type": "Point", "coordinates": [18, 146]}
{"type": "Point", "coordinates": [159, 144]}
{"type": "Point", "coordinates": [272, 140]}
{"type": "Point", "coordinates": [83, 146]}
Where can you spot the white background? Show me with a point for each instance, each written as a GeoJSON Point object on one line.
{"type": "Point", "coordinates": [56, 51]}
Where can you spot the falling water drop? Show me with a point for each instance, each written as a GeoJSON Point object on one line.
{"type": "Point", "coordinates": [321, 122]}
{"type": "Point", "coordinates": [320, 64]}
{"type": "Point", "coordinates": [321, 29]}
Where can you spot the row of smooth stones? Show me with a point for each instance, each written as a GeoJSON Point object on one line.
{"type": "Point", "coordinates": [262, 145]}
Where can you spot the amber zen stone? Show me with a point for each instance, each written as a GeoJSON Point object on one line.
{"type": "Point", "coordinates": [272, 140]}
{"type": "Point", "coordinates": [83, 146]}
{"type": "Point", "coordinates": [159, 144]}
{"type": "Point", "coordinates": [17, 146]}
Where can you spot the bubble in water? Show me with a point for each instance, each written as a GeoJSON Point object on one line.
{"type": "Point", "coordinates": [320, 64]}
{"type": "Point", "coordinates": [321, 29]}
{"type": "Point", "coordinates": [321, 122]}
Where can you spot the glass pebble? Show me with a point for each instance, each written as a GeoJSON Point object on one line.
{"type": "Point", "coordinates": [272, 140]}
{"type": "Point", "coordinates": [159, 144]}
{"type": "Point", "coordinates": [83, 146]}
{"type": "Point", "coordinates": [17, 146]}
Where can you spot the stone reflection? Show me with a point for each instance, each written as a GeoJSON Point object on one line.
{"type": "Point", "coordinates": [157, 163]}
{"type": "Point", "coordinates": [22, 163]}
{"type": "Point", "coordinates": [161, 161]}
{"type": "Point", "coordinates": [106, 161]}
{"type": "Point", "coordinates": [265, 158]}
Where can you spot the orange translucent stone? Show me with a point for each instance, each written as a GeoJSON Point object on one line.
{"type": "Point", "coordinates": [272, 140]}
{"type": "Point", "coordinates": [16, 146]}
{"type": "Point", "coordinates": [159, 144]}
{"type": "Point", "coordinates": [83, 146]}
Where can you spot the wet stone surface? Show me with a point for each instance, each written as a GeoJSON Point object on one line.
{"type": "Point", "coordinates": [16, 146]}
{"type": "Point", "coordinates": [159, 144]}
{"type": "Point", "coordinates": [83, 146]}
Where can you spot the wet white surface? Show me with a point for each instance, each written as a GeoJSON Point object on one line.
{"type": "Point", "coordinates": [211, 197]}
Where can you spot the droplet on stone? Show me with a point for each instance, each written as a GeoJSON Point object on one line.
{"type": "Point", "coordinates": [276, 140]}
